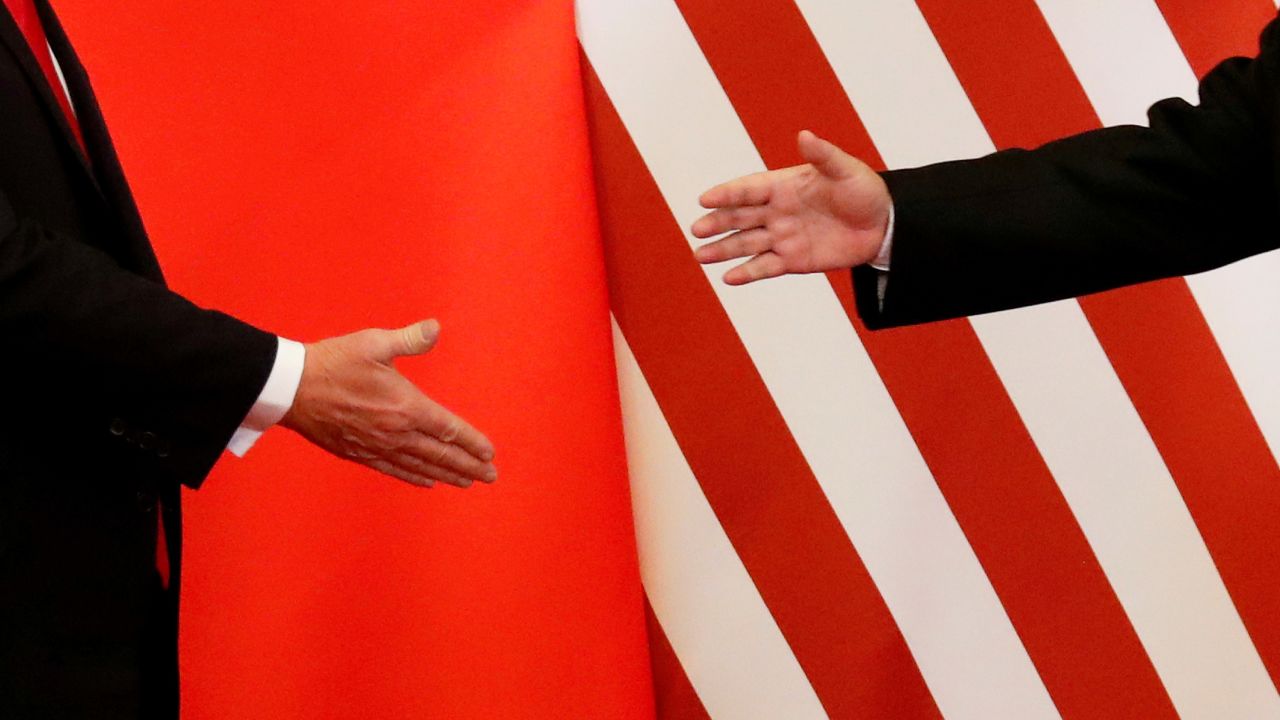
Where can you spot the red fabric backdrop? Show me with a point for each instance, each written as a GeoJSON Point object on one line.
{"type": "Point", "coordinates": [317, 167]}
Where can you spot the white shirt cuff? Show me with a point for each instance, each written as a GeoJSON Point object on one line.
{"type": "Point", "coordinates": [275, 399]}
{"type": "Point", "coordinates": [881, 262]}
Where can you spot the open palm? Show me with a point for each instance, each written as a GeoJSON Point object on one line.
{"type": "Point", "coordinates": [827, 214]}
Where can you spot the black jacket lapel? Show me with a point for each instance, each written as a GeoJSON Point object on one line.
{"type": "Point", "coordinates": [106, 164]}
{"type": "Point", "coordinates": [12, 36]}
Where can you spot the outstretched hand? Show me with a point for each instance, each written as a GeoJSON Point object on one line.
{"type": "Point", "coordinates": [354, 403]}
{"type": "Point", "coordinates": [828, 214]}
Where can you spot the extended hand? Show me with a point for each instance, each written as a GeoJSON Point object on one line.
{"type": "Point", "coordinates": [828, 214]}
{"type": "Point", "coordinates": [353, 403]}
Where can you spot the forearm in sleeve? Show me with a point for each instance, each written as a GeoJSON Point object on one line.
{"type": "Point", "coordinates": [125, 347]}
{"type": "Point", "coordinates": [1194, 191]}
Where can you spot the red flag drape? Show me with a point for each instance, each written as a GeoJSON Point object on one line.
{"type": "Point", "coordinates": [318, 167]}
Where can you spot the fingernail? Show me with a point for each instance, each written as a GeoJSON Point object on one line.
{"type": "Point", "coordinates": [491, 475]}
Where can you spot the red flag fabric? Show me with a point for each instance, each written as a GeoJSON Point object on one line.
{"type": "Point", "coordinates": [319, 167]}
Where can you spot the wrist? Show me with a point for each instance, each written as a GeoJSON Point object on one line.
{"type": "Point", "coordinates": [292, 416]}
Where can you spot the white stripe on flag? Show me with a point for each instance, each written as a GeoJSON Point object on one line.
{"type": "Point", "coordinates": [1065, 389]}
{"type": "Point", "coordinates": [1130, 509]}
{"type": "Point", "coordinates": [729, 644]}
{"type": "Point", "coordinates": [1242, 302]}
{"type": "Point", "coordinates": [872, 45]}
{"type": "Point", "coordinates": [1123, 54]}
{"type": "Point", "coordinates": [820, 377]}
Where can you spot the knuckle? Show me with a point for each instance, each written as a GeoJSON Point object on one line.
{"type": "Point", "coordinates": [408, 339]}
{"type": "Point", "coordinates": [388, 442]}
{"type": "Point", "coordinates": [451, 431]}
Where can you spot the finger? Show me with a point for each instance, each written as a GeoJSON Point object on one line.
{"type": "Point", "coordinates": [760, 267]}
{"type": "Point", "coordinates": [453, 430]}
{"type": "Point", "coordinates": [830, 160]}
{"type": "Point", "coordinates": [752, 189]}
{"type": "Point", "coordinates": [735, 218]}
{"type": "Point", "coordinates": [452, 458]}
{"type": "Point", "coordinates": [737, 245]}
{"type": "Point", "coordinates": [415, 339]}
{"type": "Point", "coordinates": [423, 468]}
{"type": "Point", "coordinates": [418, 338]}
{"type": "Point", "coordinates": [410, 477]}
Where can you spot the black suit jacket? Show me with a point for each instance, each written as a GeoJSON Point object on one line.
{"type": "Point", "coordinates": [115, 391]}
{"type": "Point", "coordinates": [1196, 190]}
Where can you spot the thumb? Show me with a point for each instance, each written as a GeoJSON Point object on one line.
{"type": "Point", "coordinates": [830, 160]}
{"type": "Point", "coordinates": [415, 339]}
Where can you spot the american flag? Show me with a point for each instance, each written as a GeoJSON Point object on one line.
{"type": "Point", "coordinates": [1070, 511]}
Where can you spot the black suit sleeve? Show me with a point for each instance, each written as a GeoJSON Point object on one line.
{"type": "Point", "coordinates": [1194, 191]}
{"type": "Point", "coordinates": [122, 354]}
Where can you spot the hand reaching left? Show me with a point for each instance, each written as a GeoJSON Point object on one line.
{"type": "Point", "coordinates": [828, 214]}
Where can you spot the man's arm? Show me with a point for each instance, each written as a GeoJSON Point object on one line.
{"type": "Point", "coordinates": [181, 379]}
{"type": "Point", "coordinates": [1194, 191]}
{"type": "Point", "coordinates": [159, 364]}
{"type": "Point", "coordinates": [1112, 207]}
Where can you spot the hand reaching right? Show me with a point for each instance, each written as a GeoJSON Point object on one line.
{"type": "Point", "coordinates": [354, 403]}
{"type": "Point", "coordinates": [829, 214]}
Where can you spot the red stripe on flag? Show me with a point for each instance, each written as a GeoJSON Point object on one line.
{"type": "Point", "coordinates": [1155, 336]}
{"type": "Point", "coordinates": [739, 447]}
{"type": "Point", "coordinates": [676, 698]}
{"type": "Point", "coordinates": [1085, 648]}
{"type": "Point", "coordinates": [1011, 78]}
{"type": "Point", "coordinates": [1212, 30]}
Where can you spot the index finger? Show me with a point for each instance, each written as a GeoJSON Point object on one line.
{"type": "Point", "coordinates": [752, 189]}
